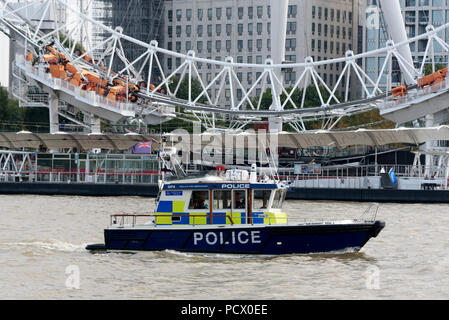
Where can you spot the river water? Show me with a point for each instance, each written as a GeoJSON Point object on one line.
{"type": "Point", "coordinates": [42, 256]}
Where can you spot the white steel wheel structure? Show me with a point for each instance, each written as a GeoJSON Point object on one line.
{"type": "Point", "coordinates": [154, 84]}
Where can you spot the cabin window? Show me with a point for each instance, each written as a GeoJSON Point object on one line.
{"type": "Point", "coordinates": [279, 196]}
{"type": "Point", "coordinates": [199, 200]}
{"type": "Point", "coordinates": [239, 199]}
{"type": "Point", "coordinates": [261, 199]}
{"type": "Point", "coordinates": [222, 199]}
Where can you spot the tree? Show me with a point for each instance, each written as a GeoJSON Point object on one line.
{"type": "Point", "coordinates": [14, 118]}
{"type": "Point", "coordinates": [428, 68]}
{"type": "Point", "coordinates": [183, 91]}
{"type": "Point", "coordinates": [10, 114]}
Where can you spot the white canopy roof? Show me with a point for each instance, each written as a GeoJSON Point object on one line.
{"type": "Point", "coordinates": [340, 139]}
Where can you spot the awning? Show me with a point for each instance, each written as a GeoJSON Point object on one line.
{"type": "Point", "coordinates": [61, 140]}
{"type": "Point", "coordinates": [339, 139]}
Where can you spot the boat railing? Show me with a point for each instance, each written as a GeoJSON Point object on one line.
{"type": "Point", "coordinates": [370, 213]}
{"type": "Point", "coordinates": [131, 219]}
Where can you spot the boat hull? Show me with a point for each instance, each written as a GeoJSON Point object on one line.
{"type": "Point", "coordinates": [241, 239]}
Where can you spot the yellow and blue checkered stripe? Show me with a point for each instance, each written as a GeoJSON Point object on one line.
{"type": "Point", "coordinates": [167, 209]}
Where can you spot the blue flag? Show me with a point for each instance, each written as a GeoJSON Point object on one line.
{"type": "Point", "coordinates": [392, 176]}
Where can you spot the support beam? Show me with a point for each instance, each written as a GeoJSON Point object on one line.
{"type": "Point", "coordinates": [396, 28]}
{"type": "Point", "coordinates": [53, 104]}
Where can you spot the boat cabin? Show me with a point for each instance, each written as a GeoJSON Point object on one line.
{"type": "Point", "coordinates": [220, 200]}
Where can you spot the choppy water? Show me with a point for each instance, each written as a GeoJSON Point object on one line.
{"type": "Point", "coordinates": [42, 240]}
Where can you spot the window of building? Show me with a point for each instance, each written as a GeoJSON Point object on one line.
{"type": "Point", "coordinates": [200, 14]}
{"type": "Point", "coordinates": [228, 45]}
{"type": "Point", "coordinates": [249, 76]}
{"type": "Point", "coordinates": [259, 12]}
{"type": "Point", "coordinates": [239, 45]}
{"type": "Point", "coordinates": [170, 15]}
{"type": "Point", "coordinates": [290, 58]}
{"type": "Point", "coordinates": [209, 30]}
{"type": "Point", "coordinates": [199, 46]}
{"type": "Point", "coordinates": [259, 28]}
{"type": "Point", "coordinates": [239, 94]}
{"type": "Point", "coordinates": [218, 45]}
{"type": "Point", "coordinates": [250, 12]}
{"type": "Point", "coordinates": [229, 13]}
{"type": "Point", "coordinates": [209, 46]}
{"type": "Point", "coordinates": [188, 14]}
{"type": "Point", "coordinates": [259, 44]}
{"type": "Point", "coordinates": [228, 29]}
{"type": "Point", "coordinates": [178, 14]}
{"type": "Point", "coordinates": [240, 12]}
{"type": "Point", "coordinates": [239, 76]}
{"type": "Point", "coordinates": [290, 44]}
{"type": "Point", "coordinates": [218, 13]}
{"type": "Point", "coordinates": [250, 29]}
{"type": "Point", "coordinates": [218, 29]}
{"type": "Point", "coordinates": [209, 14]}
{"type": "Point", "coordinates": [188, 30]}
{"type": "Point", "coordinates": [240, 29]}
{"type": "Point", "coordinates": [291, 13]}
{"type": "Point", "coordinates": [290, 76]}
{"type": "Point", "coordinates": [291, 27]}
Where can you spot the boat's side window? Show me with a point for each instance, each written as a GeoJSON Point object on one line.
{"type": "Point", "coordinates": [279, 197]}
{"type": "Point", "coordinates": [222, 199]}
{"type": "Point", "coordinates": [261, 199]}
{"type": "Point", "coordinates": [199, 200]}
{"type": "Point", "coordinates": [175, 218]}
{"type": "Point", "coordinates": [239, 199]}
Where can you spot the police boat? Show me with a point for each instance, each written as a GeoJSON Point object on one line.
{"type": "Point", "coordinates": [232, 212]}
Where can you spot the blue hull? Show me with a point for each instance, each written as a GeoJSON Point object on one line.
{"type": "Point", "coordinates": [263, 240]}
